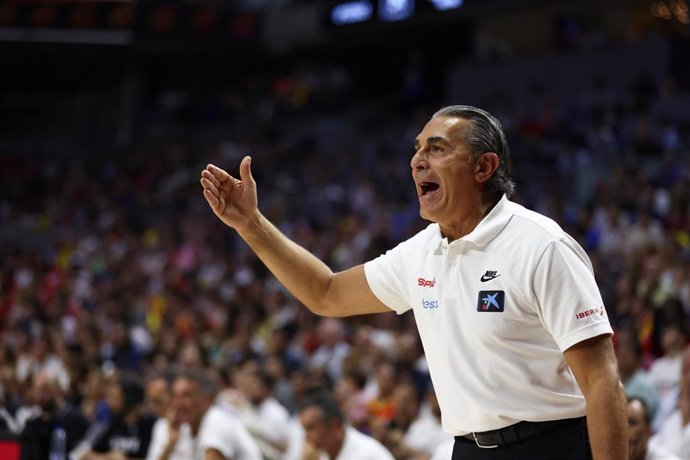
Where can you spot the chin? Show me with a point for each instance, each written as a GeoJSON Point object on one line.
{"type": "Point", "coordinates": [426, 216]}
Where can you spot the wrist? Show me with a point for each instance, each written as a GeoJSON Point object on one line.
{"type": "Point", "coordinates": [252, 226]}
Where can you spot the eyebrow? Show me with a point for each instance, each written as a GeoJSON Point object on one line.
{"type": "Point", "coordinates": [431, 140]}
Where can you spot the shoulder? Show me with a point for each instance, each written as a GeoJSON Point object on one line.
{"type": "Point", "coordinates": [359, 445]}
{"type": "Point", "coordinates": [273, 408]}
{"type": "Point", "coordinates": [220, 418]}
{"type": "Point", "coordinates": [428, 238]}
{"type": "Point", "coordinates": [537, 232]}
{"type": "Point", "coordinates": [536, 223]}
{"type": "Point", "coordinates": [219, 414]}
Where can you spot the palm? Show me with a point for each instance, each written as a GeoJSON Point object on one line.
{"type": "Point", "coordinates": [234, 201]}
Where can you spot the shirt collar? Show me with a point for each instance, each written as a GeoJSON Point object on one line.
{"type": "Point", "coordinates": [487, 229]}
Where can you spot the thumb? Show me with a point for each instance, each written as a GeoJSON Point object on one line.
{"type": "Point", "coordinates": [246, 171]}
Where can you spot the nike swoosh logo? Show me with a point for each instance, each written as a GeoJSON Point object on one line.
{"type": "Point", "coordinates": [486, 278]}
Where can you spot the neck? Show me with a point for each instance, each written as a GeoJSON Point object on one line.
{"type": "Point", "coordinates": [131, 417]}
{"type": "Point", "coordinates": [334, 449]}
{"type": "Point", "coordinates": [196, 423]}
{"type": "Point", "coordinates": [469, 220]}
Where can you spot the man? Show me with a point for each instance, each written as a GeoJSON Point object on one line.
{"type": "Point", "coordinates": [327, 436]}
{"type": "Point", "coordinates": [635, 379]}
{"type": "Point", "coordinates": [512, 322]}
{"type": "Point", "coordinates": [157, 396]}
{"type": "Point", "coordinates": [264, 417]}
{"type": "Point", "coordinates": [674, 434]}
{"type": "Point", "coordinates": [639, 432]}
{"type": "Point", "coordinates": [197, 430]}
{"type": "Point", "coordinates": [412, 433]}
{"type": "Point", "coordinates": [59, 427]}
{"type": "Point", "coordinates": [128, 435]}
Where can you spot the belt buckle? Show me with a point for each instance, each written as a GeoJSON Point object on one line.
{"type": "Point", "coordinates": [474, 435]}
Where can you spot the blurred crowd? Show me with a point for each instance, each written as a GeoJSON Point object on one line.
{"type": "Point", "coordinates": [124, 301]}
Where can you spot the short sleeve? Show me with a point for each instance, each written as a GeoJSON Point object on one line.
{"type": "Point", "coordinates": [215, 436]}
{"type": "Point", "coordinates": [567, 296]}
{"type": "Point", "coordinates": [385, 277]}
{"type": "Point", "coordinates": [159, 437]}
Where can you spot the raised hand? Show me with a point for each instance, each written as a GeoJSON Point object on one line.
{"type": "Point", "coordinates": [233, 200]}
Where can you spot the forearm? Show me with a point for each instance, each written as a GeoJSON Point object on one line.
{"type": "Point", "coordinates": [165, 455]}
{"type": "Point", "coordinates": [607, 420]}
{"type": "Point", "coordinates": [304, 275]}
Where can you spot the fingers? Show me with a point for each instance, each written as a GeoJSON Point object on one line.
{"type": "Point", "coordinates": [212, 199]}
{"type": "Point", "coordinates": [246, 171]}
{"type": "Point", "coordinates": [205, 174]}
{"type": "Point", "coordinates": [218, 173]}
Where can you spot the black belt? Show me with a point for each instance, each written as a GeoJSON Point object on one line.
{"type": "Point", "coordinates": [519, 432]}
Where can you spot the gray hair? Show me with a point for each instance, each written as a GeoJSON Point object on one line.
{"type": "Point", "coordinates": [206, 386]}
{"type": "Point", "coordinates": [485, 134]}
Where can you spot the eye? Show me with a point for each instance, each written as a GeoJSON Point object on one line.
{"type": "Point", "coordinates": [434, 148]}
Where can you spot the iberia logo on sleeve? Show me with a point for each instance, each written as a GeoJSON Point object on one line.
{"type": "Point", "coordinates": [491, 301]}
{"type": "Point", "coordinates": [600, 311]}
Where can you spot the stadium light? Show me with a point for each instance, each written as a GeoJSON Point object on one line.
{"type": "Point", "coordinates": [447, 4]}
{"type": "Point", "coordinates": [351, 12]}
{"type": "Point", "coordinates": [395, 10]}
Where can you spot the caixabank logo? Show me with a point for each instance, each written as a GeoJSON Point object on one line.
{"type": "Point", "coordinates": [491, 301]}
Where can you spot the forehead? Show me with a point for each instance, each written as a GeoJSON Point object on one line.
{"type": "Point", "coordinates": [183, 385]}
{"type": "Point", "coordinates": [448, 128]}
{"type": "Point", "coordinates": [310, 415]}
{"type": "Point", "coordinates": [635, 409]}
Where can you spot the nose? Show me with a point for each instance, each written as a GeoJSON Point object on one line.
{"type": "Point", "coordinates": [418, 161]}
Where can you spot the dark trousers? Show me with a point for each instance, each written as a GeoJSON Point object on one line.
{"type": "Point", "coordinates": [568, 443]}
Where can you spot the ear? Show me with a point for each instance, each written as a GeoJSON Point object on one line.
{"type": "Point", "coordinates": [485, 166]}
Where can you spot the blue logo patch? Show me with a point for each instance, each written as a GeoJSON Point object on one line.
{"type": "Point", "coordinates": [491, 301]}
{"type": "Point", "coordinates": [429, 304]}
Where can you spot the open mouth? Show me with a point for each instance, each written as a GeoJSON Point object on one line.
{"type": "Point", "coordinates": [427, 187]}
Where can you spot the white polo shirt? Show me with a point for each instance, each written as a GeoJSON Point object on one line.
{"type": "Point", "coordinates": [359, 446]}
{"type": "Point", "coordinates": [220, 429]}
{"type": "Point", "coordinates": [496, 309]}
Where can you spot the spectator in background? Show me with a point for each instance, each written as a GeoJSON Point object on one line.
{"type": "Point", "coordinates": [426, 433]}
{"type": "Point", "coordinates": [333, 348]}
{"type": "Point", "coordinates": [157, 396]}
{"type": "Point", "coordinates": [639, 432]}
{"type": "Point", "coordinates": [674, 433]}
{"type": "Point", "coordinates": [190, 357]}
{"type": "Point", "coordinates": [59, 427]}
{"type": "Point", "coordinates": [264, 417]}
{"type": "Point", "coordinates": [349, 392]}
{"type": "Point", "coordinates": [128, 435]}
{"type": "Point", "coordinates": [327, 433]}
{"type": "Point", "coordinates": [666, 371]}
{"type": "Point", "coordinates": [120, 351]}
{"type": "Point", "coordinates": [382, 407]}
{"type": "Point", "coordinates": [412, 434]}
{"type": "Point", "coordinates": [93, 405]}
{"type": "Point", "coordinates": [196, 429]}
{"type": "Point", "coordinates": [40, 358]}
{"type": "Point", "coordinates": [635, 379]}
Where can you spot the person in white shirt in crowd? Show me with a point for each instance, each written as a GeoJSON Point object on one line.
{"type": "Point", "coordinates": [42, 358]}
{"type": "Point", "coordinates": [196, 429]}
{"type": "Point", "coordinates": [635, 379]}
{"type": "Point", "coordinates": [413, 433]}
{"type": "Point", "coordinates": [665, 371]}
{"type": "Point", "coordinates": [674, 434]}
{"type": "Point", "coordinates": [329, 437]}
{"type": "Point", "coordinates": [639, 432]}
{"type": "Point", "coordinates": [333, 348]}
{"type": "Point", "coordinates": [426, 433]}
{"type": "Point", "coordinates": [444, 451]}
{"type": "Point", "coordinates": [264, 417]}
